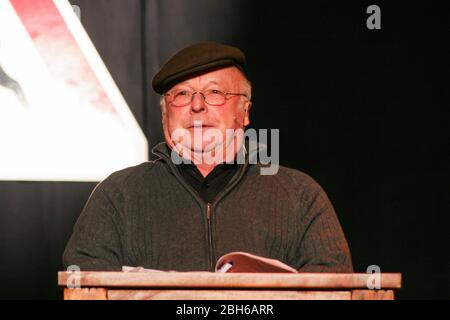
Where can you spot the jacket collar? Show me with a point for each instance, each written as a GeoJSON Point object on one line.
{"type": "Point", "coordinates": [249, 152]}
{"type": "Point", "coordinates": [163, 151]}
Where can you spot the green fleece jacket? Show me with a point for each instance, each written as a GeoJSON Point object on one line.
{"type": "Point", "coordinates": [149, 216]}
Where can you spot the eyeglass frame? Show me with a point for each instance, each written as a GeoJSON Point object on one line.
{"type": "Point", "coordinates": [225, 95]}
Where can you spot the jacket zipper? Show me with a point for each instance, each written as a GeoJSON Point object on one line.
{"type": "Point", "coordinates": [208, 207]}
{"type": "Point", "coordinates": [210, 242]}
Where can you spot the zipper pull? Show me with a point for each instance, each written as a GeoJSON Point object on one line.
{"type": "Point", "coordinates": [208, 210]}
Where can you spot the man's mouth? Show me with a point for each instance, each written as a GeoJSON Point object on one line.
{"type": "Point", "coordinates": [199, 126]}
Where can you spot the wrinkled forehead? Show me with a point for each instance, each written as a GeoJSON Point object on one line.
{"type": "Point", "coordinates": [228, 78]}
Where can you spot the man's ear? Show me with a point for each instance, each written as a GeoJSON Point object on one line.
{"type": "Point", "coordinates": [247, 106]}
{"type": "Point", "coordinates": [164, 122]}
{"type": "Point", "coordinates": [165, 129]}
{"type": "Point", "coordinates": [163, 117]}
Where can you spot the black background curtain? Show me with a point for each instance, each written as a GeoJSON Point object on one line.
{"type": "Point", "coordinates": [364, 112]}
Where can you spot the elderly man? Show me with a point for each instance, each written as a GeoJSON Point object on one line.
{"type": "Point", "coordinates": [169, 214]}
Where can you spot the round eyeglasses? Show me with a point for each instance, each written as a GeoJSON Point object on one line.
{"type": "Point", "coordinates": [181, 98]}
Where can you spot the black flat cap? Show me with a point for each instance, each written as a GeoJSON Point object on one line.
{"type": "Point", "coordinates": [195, 60]}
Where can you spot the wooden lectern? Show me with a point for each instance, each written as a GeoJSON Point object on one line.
{"type": "Point", "coordinates": [225, 286]}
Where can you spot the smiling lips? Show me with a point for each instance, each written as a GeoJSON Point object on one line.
{"type": "Point", "coordinates": [199, 125]}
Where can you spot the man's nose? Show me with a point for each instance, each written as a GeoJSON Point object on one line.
{"type": "Point", "coordinates": [198, 103]}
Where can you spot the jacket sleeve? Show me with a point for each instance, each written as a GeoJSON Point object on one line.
{"type": "Point", "coordinates": [95, 242]}
{"type": "Point", "coordinates": [323, 247]}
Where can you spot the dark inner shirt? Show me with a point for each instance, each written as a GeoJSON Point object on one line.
{"type": "Point", "coordinates": [208, 188]}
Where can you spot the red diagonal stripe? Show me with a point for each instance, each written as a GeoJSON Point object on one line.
{"type": "Point", "coordinates": [59, 50]}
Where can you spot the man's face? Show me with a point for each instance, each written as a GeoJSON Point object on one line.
{"type": "Point", "coordinates": [233, 114]}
